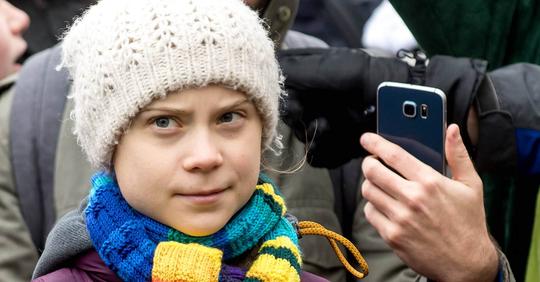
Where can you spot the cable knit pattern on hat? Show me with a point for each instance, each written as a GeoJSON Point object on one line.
{"type": "Point", "coordinates": [123, 54]}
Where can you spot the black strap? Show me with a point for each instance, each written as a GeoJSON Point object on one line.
{"type": "Point", "coordinates": [38, 105]}
{"type": "Point", "coordinates": [279, 16]}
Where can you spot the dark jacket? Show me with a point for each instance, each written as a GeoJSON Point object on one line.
{"type": "Point", "coordinates": [86, 267]}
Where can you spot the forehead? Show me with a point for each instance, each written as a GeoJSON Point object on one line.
{"type": "Point", "coordinates": [210, 96]}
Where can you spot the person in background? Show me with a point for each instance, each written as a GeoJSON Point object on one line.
{"type": "Point", "coordinates": [49, 18]}
{"type": "Point", "coordinates": [505, 35]}
{"type": "Point", "coordinates": [13, 24]}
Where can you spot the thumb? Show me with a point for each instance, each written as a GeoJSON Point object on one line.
{"type": "Point", "coordinates": [458, 159]}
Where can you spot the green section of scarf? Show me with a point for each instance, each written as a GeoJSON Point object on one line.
{"type": "Point", "coordinates": [138, 248]}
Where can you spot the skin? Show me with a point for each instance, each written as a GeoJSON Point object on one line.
{"type": "Point", "coordinates": [13, 22]}
{"type": "Point", "coordinates": [191, 160]}
{"type": "Point", "coordinates": [254, 4]}
{"type": "Point", "coordinates": [435, 224]}
{"type": "Point", "coordinates": [472, 125]}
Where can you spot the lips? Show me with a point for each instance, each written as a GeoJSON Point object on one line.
{"type": "Point", "coordinates": [204, 197]}
{"type": "Point", "coordinates": [204, 192]}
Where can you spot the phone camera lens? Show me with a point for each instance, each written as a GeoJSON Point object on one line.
{"type": "Point", "coordinates": [409, 109]}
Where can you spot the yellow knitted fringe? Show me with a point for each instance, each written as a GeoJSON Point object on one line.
{"type": "Point", "coordinates": [269, 268]}
{"type": "Point", "coordinates": [284, 241]}
{"type": "Point", "coordinates": [175, 261]}
{"type": "Point", "coordinates": [269, 190]}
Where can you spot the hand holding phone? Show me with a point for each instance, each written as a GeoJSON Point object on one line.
{"type": "Point", "coordinates": [425, 216]}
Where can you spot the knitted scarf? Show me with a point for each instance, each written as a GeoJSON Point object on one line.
{"type": "Point", "coordinates": [138, 248]}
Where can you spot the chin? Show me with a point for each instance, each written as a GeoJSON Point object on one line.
{"type": "Point", "coordinates": [199, 232]}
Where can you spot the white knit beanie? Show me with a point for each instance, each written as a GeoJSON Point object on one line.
{"type": "Point", "coordinates": [124, 54]}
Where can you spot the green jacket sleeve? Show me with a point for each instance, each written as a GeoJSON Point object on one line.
{"type": "Point", "coordinates": [500, 31]}
{"type": "Point", "coordinates": [533, 266]}
{"type": "Point", "coordinates": [18, 255]}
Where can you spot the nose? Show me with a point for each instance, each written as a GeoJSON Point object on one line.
{"type": "Point", "coordinates": [203, 154]}
{"type": "Point", "coordinates": [18, 21]}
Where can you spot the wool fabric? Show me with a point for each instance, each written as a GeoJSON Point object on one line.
{"type": "Point", "coordinates": [123, 54]}
{"type": "Point", "coordinates": [138, 248]}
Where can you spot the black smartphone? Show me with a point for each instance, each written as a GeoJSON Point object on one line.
{"type": "Point", "coordinates": [414, 117]}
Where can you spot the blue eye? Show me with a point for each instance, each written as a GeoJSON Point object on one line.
{"type": "Point", "coordinates": [229, 117]}
{"type": "Point", "coordinates": [162, 122]}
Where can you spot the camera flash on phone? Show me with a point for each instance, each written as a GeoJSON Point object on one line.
{"type": "Point", "coordinates": [423, 111]}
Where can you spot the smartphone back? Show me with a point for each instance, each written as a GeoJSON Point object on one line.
{"type": "Point", "coordinates": [414, 117]}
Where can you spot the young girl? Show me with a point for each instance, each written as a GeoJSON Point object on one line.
{"type": "Point", "coordinates": [175, 101]}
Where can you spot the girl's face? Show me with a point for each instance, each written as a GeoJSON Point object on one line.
{"type": "Point", "coordinates": [191, 160]}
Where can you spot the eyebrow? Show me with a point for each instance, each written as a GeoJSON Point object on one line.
{"type": "Point", "coordinates": [164, 109]}
{"type": "Point", "coordinates": [236, 104]}
{"type": "Point", "coordinates": [184, 112]}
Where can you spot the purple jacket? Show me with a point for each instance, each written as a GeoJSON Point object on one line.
{"type": "Point", "coordinates": [89, 267]}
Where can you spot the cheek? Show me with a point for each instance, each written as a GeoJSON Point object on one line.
{"type": "Point", "coordinates": [248, 164]}
{"type": "Point", "coordinates": [137, 153]}
{"type": "Point", "coordinates": [249, 148]}
{"type": "Point", "coordinates": [248, 169]}
{"type": "Point", "coordinates": [139, 166]}
{"type": "Point", "coordinates": [247, 161]}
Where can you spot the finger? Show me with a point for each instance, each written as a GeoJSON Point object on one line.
{"type": "Point", "coordinates": [395, 157]}
{"type": "Point", "coordinates": [383, 202]}
{"type": "Point", "coordinates": [383, 177]}
{"type": "Point", "coordinates": [458, 159]}
{"type": "Point", "coordinates": [378, 220]}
